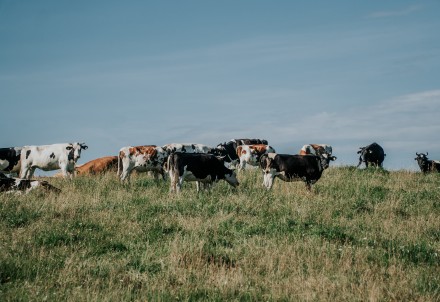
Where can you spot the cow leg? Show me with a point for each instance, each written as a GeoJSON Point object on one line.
{"type": "Point", "coordinates": [179, 184]}
{"type": "Point", "coordinates": [242, 165]}
{"type": "Point", "coordinates": [30, 173]}
{"type": "Point", "coordinates": [174, 179]}
{"type": "Point", "coordinates": [126, 171]}
{"type": "Point", "coordinates": [309, 186]}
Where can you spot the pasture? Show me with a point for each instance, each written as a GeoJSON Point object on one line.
{"type": "Point", "coordinates": [360, 235]}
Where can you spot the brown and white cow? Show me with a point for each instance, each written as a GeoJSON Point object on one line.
{"type": "Point", "coordinates": [251, 154]}
{"type": "Point", "coordinates": [142, 159]}
{"type": "Point", "coordinates": [318, 149]}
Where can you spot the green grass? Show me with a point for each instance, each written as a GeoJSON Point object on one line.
{"type": "Point", "coordinates": [359, 235]}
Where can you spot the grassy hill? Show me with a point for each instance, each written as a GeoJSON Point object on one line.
{"type": "Point", "coordinates": [360, 235]}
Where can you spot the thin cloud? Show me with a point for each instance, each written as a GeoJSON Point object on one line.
{"type": "Point", "coordinates": [395, 13]}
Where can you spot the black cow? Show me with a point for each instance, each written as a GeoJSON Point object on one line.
{"type": "Point", "coordinates": [12, 184]}
{"type": "Point", "coordinates": [250, 141]}
{"type": "Point", "coordinates": [228, 150]}
{"type": "Point", "coordinates": [372, 154]}
{"type": "Point", "coordinates": [200, 167]}
{"type": "Point", "coordinates": [307, 168]}
{"type": "Point", "coordinates": [10, 159]}
{"type": "Point", "coordinates": [427, 165]}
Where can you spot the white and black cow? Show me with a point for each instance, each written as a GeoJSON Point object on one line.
{"type": "Point", "coordinates": [141, 159]}
{"type": "Point", "coordinates": [50, 157]}
{"type": "Point", "coordinates": [307, 168]}
{"type": "Point", "coordinates": [372, 154]}
{"type": "Point", "coordinates": [200, 167]}
{"type": "Point", "coordinates": [10, 160]}
{"type": "Point", "coordinates": [186, 148]}
{"type": "Point", "coordinates": [251, 154]}
{"type": "Point", "coordinates": [228, 150]}
{"type": "Point", "coordinates": [12, 184]}
{"type": "Point", "coordinates": [426, 165]}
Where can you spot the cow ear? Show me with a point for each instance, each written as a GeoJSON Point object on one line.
{"type": "Point", "coordinates": [84, 147]}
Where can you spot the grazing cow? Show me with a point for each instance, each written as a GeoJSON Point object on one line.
{"type": "Point", "coordinates": [200, 167]}
{"type": "Point", "coordinates": [307, 168]}
{"type": "Point", "coordinates": [250, 154]}
{"type": "Point", "coordinates": [427, 165]}
{"type": "Point", "coordinates": [50, 157]}
{"type": "Point", "coordinates": [142, 159]}
{"type": "Point", "coordinates": [99, 165]}
{"type": "Point", "coordinates": [228, 150]}
{"type": "Point", "coordinates": [372, 154]}
{"type": "Point", "coordinates": [10, 159]}
{"type": "Point", "coordinates": [12, 184]}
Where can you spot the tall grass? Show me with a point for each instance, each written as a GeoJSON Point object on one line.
{"type": "Point", "coordinates": [360, 235]}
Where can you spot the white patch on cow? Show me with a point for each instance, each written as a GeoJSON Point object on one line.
{"type": "Point", "coordinates": [271, 155]}
{"type": "Point", "coordinates": [269, 177]}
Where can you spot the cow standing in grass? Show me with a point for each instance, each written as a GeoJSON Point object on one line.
{"type": "Point", "coordinates": [372, 154]}
{"type": "Point", "coordinates": [50, 157]}
{"type": "Point", "coordinates": [251, 154]}
{"type": "Point", "coordinates": [427, 165]}
{"type": "Point", "coordinates": [199, 167]}
{"type": "Point", "coordinates": [307, 168]}
{"type": "Point", "coordinates": [142, 159]}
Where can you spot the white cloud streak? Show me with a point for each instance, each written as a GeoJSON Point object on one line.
{"type": "Point", "coordinates": [402, 12]}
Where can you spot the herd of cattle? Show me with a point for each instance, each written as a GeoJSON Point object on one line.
{"type": "Point", "coordinates": [190, 162]}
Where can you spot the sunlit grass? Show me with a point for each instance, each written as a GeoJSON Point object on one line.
{"type": "Point", "coordinates": [359, 235]}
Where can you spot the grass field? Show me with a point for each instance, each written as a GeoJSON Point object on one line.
{"type": "Point", "coordinates": [360, 235]}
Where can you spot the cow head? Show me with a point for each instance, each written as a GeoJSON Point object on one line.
{"type": "Point", "coordinates": [231, 177]}
{"type": "Point", "coordinates": [423, 161]}
{"type": "Point", "coordinates": [74, 151]}
{"type": "Point", "coordinates": [324, 160]}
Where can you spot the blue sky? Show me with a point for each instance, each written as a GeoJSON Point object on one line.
{"type": "Point", "coordinates": [113, 74]}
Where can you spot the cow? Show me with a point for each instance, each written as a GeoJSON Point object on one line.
{"type": "Point", "coordinates": [50, 157]}
{"type": "Point", "coordinates": [142, 159]}
{"type": "Point", "coordinates": [250, 154]}
{"type": "Point", "coordinates": [10, 160]}
{"type": "Point", "coordinates": [13, 184]}
{"type": "Point", "coordinates": [307, 168]}
{"type": "Point", "coordinates": [317, 149]}
{"type": "Point", "coordinates": [249, 141]}
{"type": "Point", "coordinates": [189, 148]}
{"type": "Point", "coordinates": [228, 150]}
{"type": "Point", "coordinates": [200, 167]}
{"type": "Point", "coordinates": [372, 154]}
{"type": "Point", "coordinates": [96, 166]}
{"type": "Point", "coordinates": [186, 148]}
{"type": "Point", "coordinates": [427, 165]}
